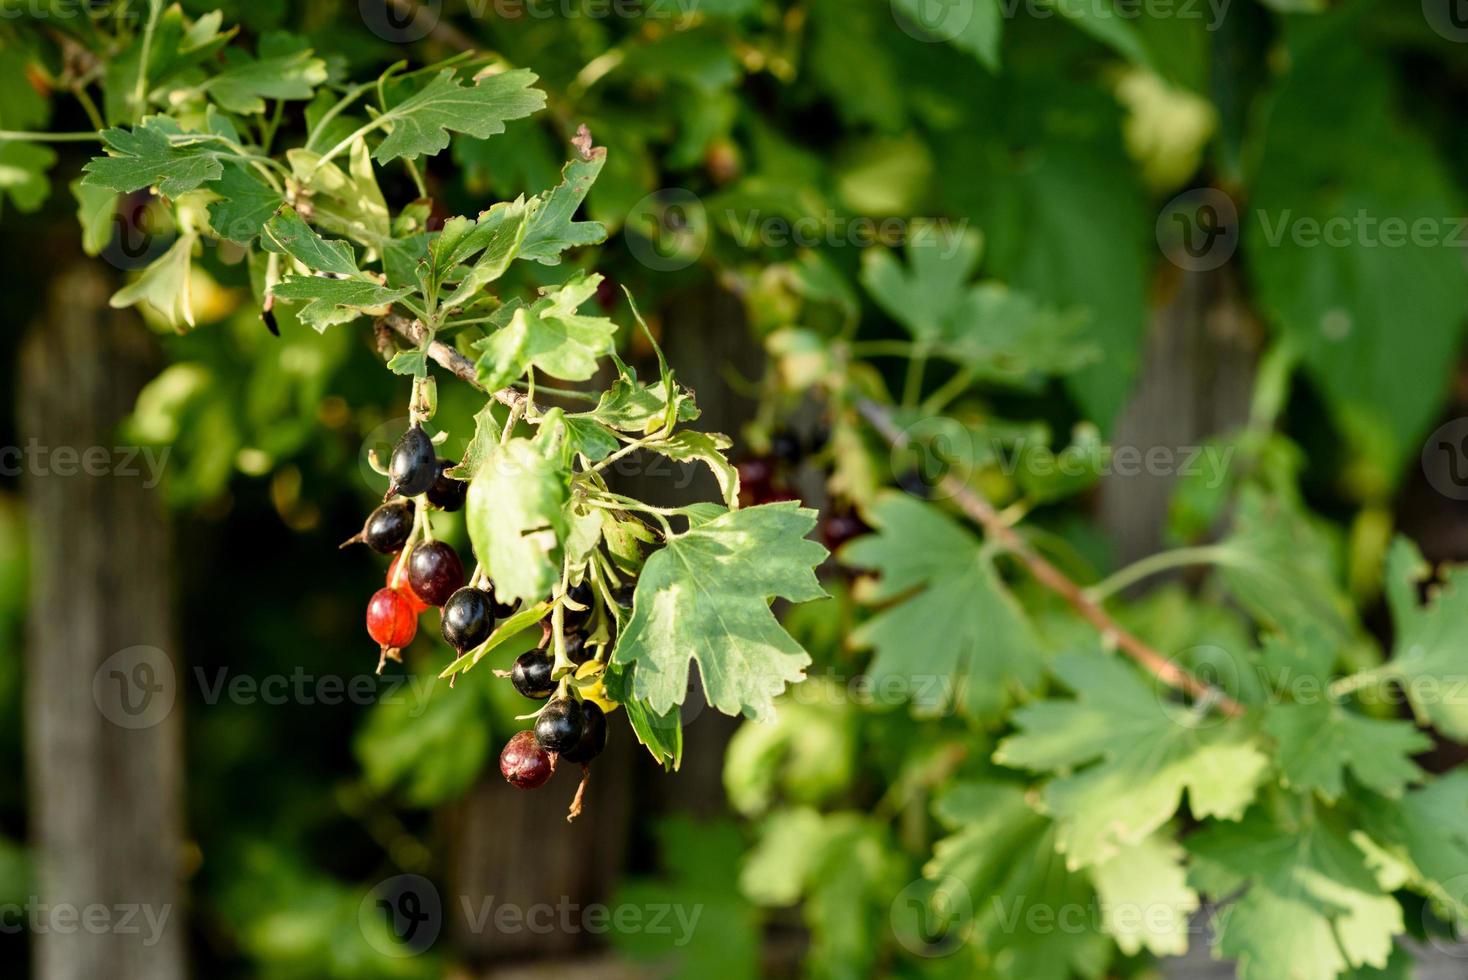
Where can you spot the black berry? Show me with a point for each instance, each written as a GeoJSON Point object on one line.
{"type": "Point", "coordinates": [414, 465]}
{"type": "Point", "coordinates": [576, 650]}
{"type": "Point", "coordinates": [593, 734]}
{"type": "Point", "coordinates": [468, 618]}
{"type": "Point", "coordinates": [785, 446]}
{"type": "Point", "coordinates": [531, 675]}
{"type": "Point", "coordinates": [446, 492]}
{"type": "Point", "coordinates": [387, 528]}
{"type": "Point", "coordinates": [560, 725]}
{"type": "Point", "coordinates": [580, 594]}
{"type": "Point", "coordinates": [524, 763]}
{"type": "Point", "coordinates": [434, 572]}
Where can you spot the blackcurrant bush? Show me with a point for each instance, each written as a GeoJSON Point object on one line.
{"type": "Point", "coordinates": [560, 725]}
{"type": "Point", "coordinates": [524, 763]}
{"type": "Point", "coordinates": [434, 572]}
{"type": "Point", "coordinates": [414, 465]}
{"type": "Point", "coordinates": [531, 675]}
{"type": "Point", "coordinates": [446, 492]}
{"type": "Point", "coordinates": [387, 528]}
{"type": "Point", "coordinates": [593, 734]}
{"type": "Point", "coordinates": [468, 618]}
{"type": "Point", "coordinates": [391, 620]}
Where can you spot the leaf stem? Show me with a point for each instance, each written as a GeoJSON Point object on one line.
{"type": "Point", "coordinates": [1213, 554]}
{"type": "Point", "coordinates": [33, 137]}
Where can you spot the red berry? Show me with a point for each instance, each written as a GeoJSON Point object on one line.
{"type": "Point", "coordinates": [524, 763]}
{"type": "Point", "coordinates": [391, 620]}
{"type": "Point", "coordinates": [837, 529]}
{"type": "Point", "coordinates": [404, 586]}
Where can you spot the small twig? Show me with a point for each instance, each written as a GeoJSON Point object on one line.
{"type": "Point", "coordinates": [449, 359]}
{"type": "Point", "coordinates": [981, 511]}
{"type": "Point", "coordinates": [579, 800]}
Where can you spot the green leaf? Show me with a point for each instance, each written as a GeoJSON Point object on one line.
{"type": "Point", "coordinates": [284, 70]}
{"type": "Point", "coordinates": [421, 123]}
{"type": "Point", "coordinates": [164, 284]}
{"type": "Point", "coordinates": [516, 519]}
{"type": "Point", "coordinates": [974, 27]}
{"type": "Point", "coordinates": [245, 203]}
{"type": "Point", "coordinates": [979, 649]}
{"type": "Point", "coordinates": [631, 406]}
{"type": "Point", "coordinates": [1108, 24]}
{"type": "Point", "coordinates": [1144, 897]}
{"type": "Point", "coordinates": [808, 754]}
{"type": "Point", "coordinates": [1144, 752]}
{"type": "Point", "coordinates": [288, 234]}
{"type": "Point", "coordinates": [1000, 862]}
{"type": "Point", "coordinates": [1427, 830]}
{"type": "Point", "coordinates": [496, 237]}
{"type": "Point", "coordinates": [330, 301]}
{"type": "Point", "coordinates": [1318, 737]}
{"type": "Point", "coordinates": [347, 202]}
{"type": "Point", "coordinates": [96, 209]}
{"type": "Point", "coordinates": [428, 742]}
{"type": "Point", "coordinates": [709, 930]}
{"type": "Point", "coordinates": [661, 734]}
{"type": "Point", "coordinates": [1428, 658]}
{"type": "Point", "coordinates": [1342, 299]}
{"type": "Point", "coordinates": [1313, 907]}
{"type": "Point", "coordinates": [23, 169]}
{"type": "Point", "coordinates": [144, 156]}
{"type": "Point", "coordinates": [998, 333]}
{"type": "Point", "coordinates": [552, 230]}
{"type": "Point", "coordinates": [409, 362]}
{"type": "Point", "coordinates": [550, 336]}
{"type": "Point", "coordinates": [486, 436]}
{"type": "Point", "coordinates": [705, 596]}
{"type": "Point", "coordinates": [705, 447]}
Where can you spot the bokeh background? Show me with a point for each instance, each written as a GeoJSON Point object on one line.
{"type": "Point", "coordinates": [1148, 165]}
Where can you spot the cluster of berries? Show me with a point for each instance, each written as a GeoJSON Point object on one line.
{"type": "Point", "coordinates": [766, 480]}
{"type": "Point", "coordinates": [428, 573]}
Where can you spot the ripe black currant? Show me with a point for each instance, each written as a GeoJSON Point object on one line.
{"type": "Point", "coordinates": [434, 572]}
{"type": "Point", "coordinates": [593, 734]}
{"type": "Point", "coordinates": [446, 492]}
{"type": "Point", "coordinates": [414, 465]}
{"type": "Point", "coordinates": [531, 675]}
{"type": "Point", "coordinates": [560, 725]}
{"type": "Point", "coordinates": [387, 528]}
{"type": "Point", "coordinates": [524, 763]}
{"type": "Point", "coordinates": [576, 650]}
{"type": "Point", "coordinates": [580, 594]}
{"type": "Point", "coordinates": [468, 618]}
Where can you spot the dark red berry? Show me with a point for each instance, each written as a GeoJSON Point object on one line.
{"type": "Point", "coordinates": [531, 675]}
{"type": "Point", "coordinates": [501, 609]}
{"type": "Point", "coordinates": [837, 529]}
{"type": "Point", "coordinates": [391, 620]}
{"type": "Point", "coordinates": [446, 492]}
{"type": "Point", "coordinates": [524, 763]}
{"type": "Point", "coordinates": [468, 618]}
{"type": "Point", "coordinates": [434, 572]}
{"type": "Point", "coordinates": [755, 472]}
{"type": "Point", "coordinates": [593, 734]}
{"type": "Point", "coordinates": [387, 528]}
{"type": "Point", "coordinates": [559, 726]}
{"type": "Point", "coordinates": [414, 465]}
{"type": "Point", "coordinates": [403, 586]}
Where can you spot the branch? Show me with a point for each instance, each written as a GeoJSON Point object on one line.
{"type": "Point", "coordinates": [982, 512]}
{"type": "Point", "coordinates": [449, 359]}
